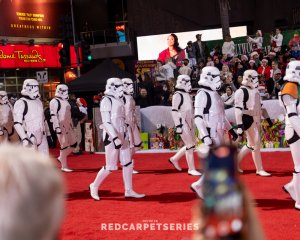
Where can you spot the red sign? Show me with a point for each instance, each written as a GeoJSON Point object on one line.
{"type": "Point", "coordinates": [38, 56]}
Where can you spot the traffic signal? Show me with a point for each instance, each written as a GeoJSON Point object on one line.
{"type": "Point", "coordinates": [64, 55]}
{"type": "Point", "coordinates": [86, 52]}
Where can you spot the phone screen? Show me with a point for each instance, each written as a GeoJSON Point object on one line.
{"type": "Point", "coordinates": [223, 200]}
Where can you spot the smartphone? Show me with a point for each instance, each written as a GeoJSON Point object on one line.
{"type": "Point", "coordinates": [223, 199]}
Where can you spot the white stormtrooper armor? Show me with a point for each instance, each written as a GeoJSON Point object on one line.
{"type": "Point", "coordinates": [210, 117]}
{"type": "Point", "coordinates": [182, 113]}
{"type": "Point", "coordinates": [60, 111]}
{"type": "Point", "coordinates": [115, 139]}
{"type": "Point", "coordinates": [29, 120]}
{"type": "Point", "coordinates": [7, 131]}
{"type": "Point", "coordinates": [248, 118]}
{"type": "Point", "coordinates": [131, 121]}
{"type": "Point", "coordinates": [289, 99]}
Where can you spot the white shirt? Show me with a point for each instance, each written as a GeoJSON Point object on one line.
{"type": "Point", "coordinates": [277, 39]}
{"type": "Point", "coordinates": [228, 48]}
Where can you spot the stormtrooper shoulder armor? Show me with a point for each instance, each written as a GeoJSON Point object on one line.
{"type": "Point", "coordinates": [106, 104]}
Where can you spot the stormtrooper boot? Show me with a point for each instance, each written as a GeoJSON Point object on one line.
{"type": "Point", "coordinates": [289, 188]}
{"type": "Point", "coordinates": [134, 171]}
{"type": "Point", "coordinates": [197, 187]}
{"type": "Point", "coordinates": [244, 151]}
{"type": "Point", "coordinates": [102, 174]}
{"type": "Point", "coordinates": [297, 189]}
{"type": "Point", "coordinates": [127, 178]}
{"type": "Point", "coordinates": [256, 155]}
{"type": "Point", "coordinates": [189, 154]}
{"type": "Point", "coordinates": [175, 159]}
{"type": "Point", "coordinates": [63, 159]}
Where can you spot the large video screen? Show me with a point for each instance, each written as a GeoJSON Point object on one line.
{"type": "Point", "coordinates": [150, 46]}
{"type": "Point", "coordinates": [32, 18]}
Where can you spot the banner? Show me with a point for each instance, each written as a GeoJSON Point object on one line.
{"type": "Point", "coordinates": [32, 18]}
{"type": "Point", "coordinates": [37, 56]}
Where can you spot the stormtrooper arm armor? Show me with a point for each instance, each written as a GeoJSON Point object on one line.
{"type": "Point", "coordinates": [54, 117]}
{"type": "Point", "coordinates": [200, 104]}
{"type": "Point", "coordinates": [105, 109]}
{"type": "Point", "coordinates": [176, 102]}
{"type": "Point", "coordinates": [19, 109]}
{"type": "Point", "coordinates": [238, 110]}
{"type": "Point", "coordinates": [291, 108]}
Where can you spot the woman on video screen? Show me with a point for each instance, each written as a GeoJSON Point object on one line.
{"type": "Point", "coordinates": [173, 53]}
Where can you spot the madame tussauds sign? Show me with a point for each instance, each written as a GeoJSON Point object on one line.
{"type": "Point", "coordinates": [25, 56]}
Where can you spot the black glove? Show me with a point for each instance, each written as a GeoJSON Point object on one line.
{"type": "Point", "coordinates": [269, 122]}
{"type": "Point", "coordinates": [117, 143]}
{"type": "Point", "coordinates": [179, 129]}
{"type": "Point", "coordinates": [233, 134]}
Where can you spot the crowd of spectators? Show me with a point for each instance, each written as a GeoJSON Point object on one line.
{"type": "Point", "coordinates": [157, 87]}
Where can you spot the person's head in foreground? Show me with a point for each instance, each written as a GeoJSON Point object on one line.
{"type": "Point", "coordinates": [31, 195]}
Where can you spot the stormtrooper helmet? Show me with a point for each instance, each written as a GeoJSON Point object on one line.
{"type": "Point", "coordinates": [128, 86]}
{"type": "Point", "coordinates": [62, 91]}
{"type": "Point", "coordinates": [210, 77]}
{"type": "Point", "coordinates": [3, 97]}
{"type": "Point", "coordinates": [184, 82]}
{"type": "Point", "coordinates": [114, 87]}
{"type": "Point", "coordinates": [31, 89]}
{"type": "Point", "coordinates": [250, 79]}
{"type": "Point", "coordinates": [292, 73]}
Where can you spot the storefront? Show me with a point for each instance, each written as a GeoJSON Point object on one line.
{"type": "Point", "coordinates": [19, 62]}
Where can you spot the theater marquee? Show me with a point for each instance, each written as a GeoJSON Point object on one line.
{"type": "Point", "coordinates": [32, 18]}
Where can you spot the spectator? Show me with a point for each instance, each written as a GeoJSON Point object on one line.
{"type": "Point", "coordinates": [201, 49]}
{"type": "Point", "coordinates": [228, 47]}
{"type": "Point", "coordinates": [274, 68]}
{"type": "Point", "coordinates": [278, 82]}
{"type": "Point", "coordinates": [31, 195]}
{"type": "Point", "coordinates": [228, 98]}
{"type": "Point", "coordinates": [96, 100]}
{"type": "Point", "coordinates": [262, 88]}
{"type": "Point", "coordinates": [191, 54]}
{"type": "Point", "coordinates": [264, 70]}
{"type": "Point", "coordinates": [77, 117]}
{"type": "Point", "coordinates": [173, 53]}
{"type": "Point", "coordinates": [255, 56]}
{"type": "Point", "coordinates": [252, 65]}
{"type": "Point", "coordinates": [257, 41]}
{"type": "Point", "coordinates": [276, 41]}
{"type": "Point", "coordinates": [185, 69]}
{"type": "Point", "coordinates": [229, 81]}
{"type": "Point", "coordinates": [217, 63]}
{"type": "Point", "coordinates": [295, 51]}
{"type": "Point", "coordinates": [216, 52]}
{"type": "Point", "coordinates": [294, 40]}
{"type": "Point", "coordinates": [244, 61]}
{"type": "Point", "coordinates": [210, 62]}
{"type": "Point", "coordinates": [238, 81]}
{"type": "Point", "coordinates": [224, 72]}
{"type": "Point", "coordinates": [143, 100]}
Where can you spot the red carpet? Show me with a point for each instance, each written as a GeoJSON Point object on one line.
{"type": "Point", "coordinates": [169, 199]}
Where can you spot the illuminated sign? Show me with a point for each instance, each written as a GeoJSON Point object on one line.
{"type": "Point", "coordinates": [32, 18]}
{"type": "Point", "coordinates": [38, 56]}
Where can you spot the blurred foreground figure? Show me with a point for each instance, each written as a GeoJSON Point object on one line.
{"type": "Point", "coordinates": [31, 195]}
{"type": "Point", "coordinates": [289, 99]}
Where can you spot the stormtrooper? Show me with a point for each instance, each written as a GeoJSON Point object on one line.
{"type": "Point", "coordinates": [210, 116]}
{"type": "Point", "coordinates": [289, 99]}
{"type": "Point", "coordinates": [60, 111]}
{"type": "Point", "coordinates": [248, 117]}
{"type": "Point", "coordinates": [182, 113]}
{"type": "Point", "coordinates": [115, 139]}
{"type": "Point", "coordinates": [29, 120]}
{"type": "Point", "coordinates": [131, 121]}
{"type": "Point", "coordinates": [7, 131]}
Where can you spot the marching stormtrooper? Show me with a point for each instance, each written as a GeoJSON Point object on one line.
{"type": "Point", "coordinates": [248, 119]}
{"type": "Point", "coordinates": [29, 119]}
{"type": "Point", "coordinates": [60, 111]}
{"type": "Point", "coordinates": [182, 113]}
{"type": "Point", "coordinates": [115, 139]}
{"type": "Point", "coordinates": [7, 131]}
{"type": "Point", "coordinates": [210, 117]}
{"type": "Point", "coordinates": [131, 121]}
{"type": "Point", "coordinates": [289, 99]}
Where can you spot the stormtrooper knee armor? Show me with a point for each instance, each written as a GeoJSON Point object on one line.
{"type": "Point", "coordinates": [115, 139]}
{"type": "Point", "coordinates": [29, 120]}
{"type": "Point", "coordinates": [131, 121]}
{"type": "Point", "coordinates": [7, 131]}
{"type": "Point", "coordinates": [288, 98]}
{"type": "Point", "coordinates": [60, 111]}
{"type": "Point", "coordinates": [248, 118]}
{"type": "Point", "coordinates": [182, 113]}
{"type": "Point", "coordinates": [210, 117]}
